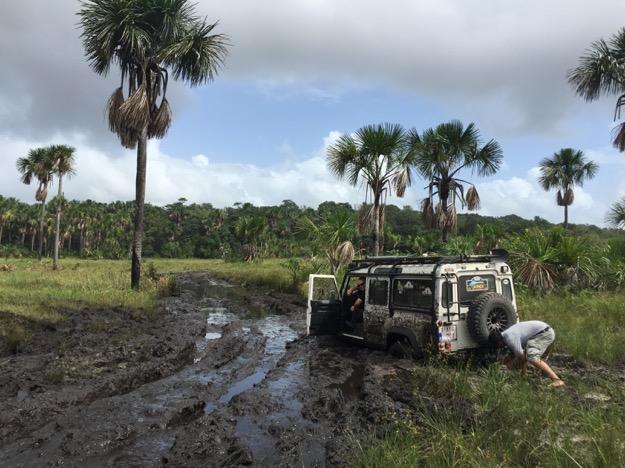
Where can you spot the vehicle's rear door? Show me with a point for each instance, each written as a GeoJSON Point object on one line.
{"type": "Point", "coordinates": [323, 316]}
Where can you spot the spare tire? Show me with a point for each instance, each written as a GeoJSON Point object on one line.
{"type": "Point", "coordinates": [490, 311]}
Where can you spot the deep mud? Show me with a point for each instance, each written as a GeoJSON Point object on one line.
{"type": "Point", "coordinates": [220, 376]}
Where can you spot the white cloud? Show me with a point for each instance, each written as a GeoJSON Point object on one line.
{"type": "Point", "coordinates": [500, 63]}
{"type": "Point", "coordinates": [524, 197]}
{"type": "Point", "coordinates": [200, 160]}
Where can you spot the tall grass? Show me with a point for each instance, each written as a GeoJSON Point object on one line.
{"type": "Point", "coordinates": [494, 418]}
{"type": "Point", "coordinates": [32, 290]}
{"type": "Point", "coordinates": [590, 325]}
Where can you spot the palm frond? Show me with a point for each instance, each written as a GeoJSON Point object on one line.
{"type": "Point", "coordinates": [198, 55]}
{"type": "Point", "coordinates": [619, 137]}
{"type": "Point", "coordinates": [428, 216]}
{"type": "Point", "coordinates": [600, 71]}
{"type": "Point", "coordinates": [113, 110]}
{"type": "Point", "coordinates": [160, 122]}
{"type": "Point", "coordinates": [616, 215]}
{"type": "Point", "coordinates": [402, 181]}
{"type": "Point", "coordinates": [345, 252]}
{"type": "Point", "coordinates": [135, 111]}
{"type": "Point", "coordinates": [473, 199]}
{"type": "Point", "coordinates": [568, 197]}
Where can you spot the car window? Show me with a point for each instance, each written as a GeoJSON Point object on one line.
{"type": "Point", "coordinates": [413, 293]}
{"type": "Point", "coordinates": [471, 286]}
{"type": "Point", "coordinates": [378, 292]}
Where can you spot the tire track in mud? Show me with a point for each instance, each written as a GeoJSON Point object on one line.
{"type": "Point", "coordinates": [257, 393]}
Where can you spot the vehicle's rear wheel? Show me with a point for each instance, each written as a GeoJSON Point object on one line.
{"type": "Point", "coordinates": [489, 312]}
{"type": "Point", "coordinates": [401, 349]}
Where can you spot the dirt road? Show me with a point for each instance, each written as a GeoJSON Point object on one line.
{"type": "Point", "coordinates": [221, 376]}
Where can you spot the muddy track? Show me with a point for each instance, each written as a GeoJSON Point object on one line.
{"type": "Point", "coordinates": [219, 377]}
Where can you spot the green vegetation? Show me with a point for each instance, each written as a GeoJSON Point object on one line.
{"type": "Point", "coordinates": [491, 417]}
{"type": "Point", "coordinates": [34, 291]}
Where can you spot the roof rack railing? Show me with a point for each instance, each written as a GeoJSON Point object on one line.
{"type": "Point", "coordinates": [497, 254]}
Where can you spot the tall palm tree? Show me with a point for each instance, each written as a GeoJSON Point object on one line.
{"type": "Point", "coordinates": [377, 155]}
{"type": "Point", "coordinates": [602, 72]}
{"type": "Point", "coordinates": [38, 165]}
{"type": "Point", "coordinates": [440, 154]}
{"type": "Point", "coordinates": [63, 157]}
{"type": "Point", "coordinates": [566, 169]}
{"type": "Point", "coordinates": [148, 40]}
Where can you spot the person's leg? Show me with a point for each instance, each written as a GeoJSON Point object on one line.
{"type": "Point", "coordinates": [535, 349]}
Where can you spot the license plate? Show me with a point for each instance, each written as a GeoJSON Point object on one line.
{"type": "Point", "coordinates": [449, 332]}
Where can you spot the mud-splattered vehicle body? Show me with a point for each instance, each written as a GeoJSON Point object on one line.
{"type": "Point", "coordinates": [417, 304]}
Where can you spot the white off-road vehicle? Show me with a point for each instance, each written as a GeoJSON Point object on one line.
{"type": "Point", "coordinates": [413, 305]}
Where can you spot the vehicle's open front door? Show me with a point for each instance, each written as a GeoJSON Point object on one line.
{"type": "Point", "coordinates": [323, 316]}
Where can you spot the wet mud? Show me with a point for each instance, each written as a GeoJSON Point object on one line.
{"type": "Point", "coordinates": [219, 376]}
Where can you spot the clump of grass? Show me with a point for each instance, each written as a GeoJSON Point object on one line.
{"type": "Point", "coordinates": [14, 335]}
{"type": "Point", "coordinates": [166, 286]}
{"type": "Point", "coordinates": [55, 375]}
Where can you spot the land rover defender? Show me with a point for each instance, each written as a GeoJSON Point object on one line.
{"type": "Point", "coordinates": [413, 305]}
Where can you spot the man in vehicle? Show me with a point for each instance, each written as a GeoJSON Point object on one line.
{"type": "Point", "coordinates": [355, 301]}
{"type": "Point", "coordinates": [528, 341]}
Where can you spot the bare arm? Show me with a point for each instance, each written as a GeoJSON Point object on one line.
{"type": "Point", "coordinates": [548, 371]}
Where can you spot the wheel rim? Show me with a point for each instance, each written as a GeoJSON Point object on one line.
{"type": "Point", "coordinates": [497, 319]}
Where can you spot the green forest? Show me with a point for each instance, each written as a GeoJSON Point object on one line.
{"type": "Point", "coordinates": [582, 255]}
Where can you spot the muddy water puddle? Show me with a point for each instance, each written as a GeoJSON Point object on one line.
{"type": "Point", "coordinates": [246, 392]}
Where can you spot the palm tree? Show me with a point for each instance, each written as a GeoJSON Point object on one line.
{"type": "Point", "coordinates": [440, 154]}
{"type": "Point", "coordinates": [63, 157]}
{"type": "Point", "coordinates": [332, 234]}
{"type": "Point", "coordinates": [38, 165]}
{"type": "Point", "coordinates": [616, 216]}
{"type": "Point", "coordinates": [379, 156]}
{"type": "Point", "coordinates": [566, 169]}
{"type": "Point", "coordinates": [6, 218]}
{"type": "Point", "coordinates": [148, 41]}
{"type": "Point", "coordinates": [602, 72]}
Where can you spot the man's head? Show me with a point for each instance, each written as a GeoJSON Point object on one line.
{"type": "Point", "coordinates": [360, 284]}
{"type": "Point", "coordinates": [495, 339]}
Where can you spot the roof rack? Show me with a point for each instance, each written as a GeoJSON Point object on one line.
{"type": "Point", "coordinates": [498, 254]}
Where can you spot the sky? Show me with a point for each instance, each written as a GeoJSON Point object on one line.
{"type": "Point", "coordinates": [302, 72]}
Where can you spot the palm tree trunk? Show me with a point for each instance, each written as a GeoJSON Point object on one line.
{"type": "Point", "coordinates": [1, 228]}
{"type": "Point", "coordinates": [445, 231]}
{"type": "Point", "coordinates": [566, 216]}
{"type": "Point", "coordinates": [376, 224]}
{"type": "Point", "coordinates": [137, 245]}
{"type": "Point", "coordinates": [43, 213]}
{"type": "Point", "coordinates": [55, 260]}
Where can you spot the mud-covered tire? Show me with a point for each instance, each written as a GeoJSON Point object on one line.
{"type": "Point", "coordinates": [490, 311]}
{"type": "Point", "coordinates": [401, 349]}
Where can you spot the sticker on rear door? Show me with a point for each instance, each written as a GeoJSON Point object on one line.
{"type": "Point", "coordinates": [477, 283]}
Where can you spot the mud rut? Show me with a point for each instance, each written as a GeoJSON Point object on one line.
{"type": "Point", "coordinates": [253, 391]}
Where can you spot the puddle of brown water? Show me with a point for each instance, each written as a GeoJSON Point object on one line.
{"type": "Point", "coordinates": [351, 387]}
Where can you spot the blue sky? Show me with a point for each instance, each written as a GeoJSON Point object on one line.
{"type": "Point", "coordinates": [300, 73]}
